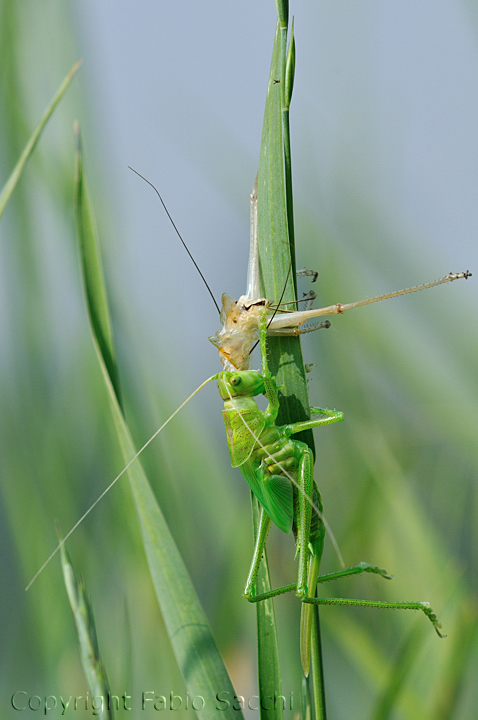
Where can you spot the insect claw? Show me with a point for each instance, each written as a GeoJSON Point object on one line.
{"type": "Point", "coordinates": [432, 617]}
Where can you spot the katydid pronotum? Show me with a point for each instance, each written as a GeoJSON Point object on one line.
{"type": "Point", "coordinates": [279, 470]}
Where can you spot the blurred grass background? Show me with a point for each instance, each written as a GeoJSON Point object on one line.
{"type": "Point", "coordinates": [385, 151]}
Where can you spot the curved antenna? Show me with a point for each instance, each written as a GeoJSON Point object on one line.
{"type": "Point", "coordinates": [179, 236]}
{"type": "Point", "coordinates": [113, 482]}
{"type": "Point", "coordinates": [282, 295]}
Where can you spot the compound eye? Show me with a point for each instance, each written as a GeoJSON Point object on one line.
{"type": "Point", "coordinates": [236, 380]}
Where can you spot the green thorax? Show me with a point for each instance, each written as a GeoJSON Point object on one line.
{"type": "Point", "coordinates": [244, 425]}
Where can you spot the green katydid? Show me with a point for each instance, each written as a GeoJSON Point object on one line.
{"type": "Point", "coordinates": [279, 471]}
{"type": "Point", "coordinates": [277, 468]}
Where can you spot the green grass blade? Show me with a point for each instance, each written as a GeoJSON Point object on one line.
{"type": "Point", "coordinates": [93, 279]}
{"type": "Point", "coordinates": [317, 668]}
{"type": "Point", "coordinates": [272, 223]}
{"type": "Point", "coordinates": [277, 254]}
{"type": "Point", "coordinates": [276, 263]}
{"type": "Point", "coordinates": [87, 640]}
{"type": "Point", "coordinates": [9, 186]}
{"type": "Point", "coordinates": [270, 683]}
{"type": "Point", "coordinates": [289, 86]}
{"type": "Point", "coordinates": [282, 7]}
{"type": "Point", "coordinates": [189, 632]}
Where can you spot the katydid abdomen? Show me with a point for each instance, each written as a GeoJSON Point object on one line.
{"type": "Point", "coordinates": [278, 471]}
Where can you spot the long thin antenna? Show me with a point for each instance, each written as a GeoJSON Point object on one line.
{"type": "Point", "coordinates": [106, 490]}
{"type": "Point", "coordinates": [179, 236]}
{"type": "Point", "coordinates": [282, 295]}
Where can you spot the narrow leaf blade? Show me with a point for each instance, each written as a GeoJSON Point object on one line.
{"type": "Point", "coordinates": [12, 181]}
{"type": "Point", "coordinates": [188, 629]}
{"type": "Point", "coordinates": [87, 640]}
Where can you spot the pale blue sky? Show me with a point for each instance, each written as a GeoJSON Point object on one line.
{"type": "Point", "coordinates": [384, 129]}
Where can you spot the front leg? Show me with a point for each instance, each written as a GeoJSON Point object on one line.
{"type": "Point", "coordinates": [328, 417]}
{"type": "Point", "coordinates": [270, 387]}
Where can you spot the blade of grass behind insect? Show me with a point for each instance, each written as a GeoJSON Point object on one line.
{"type": "Point", "coordinates": [87, 639]}
{"type": "Point", "coordinates": [317, 668]}
{"type": "Point", "coordinates": [274, 248]}
{"type": "Point", "coordinates": [270, 680]}
{"type": "Point", "coordinates": [9, 186]}
{"type": "Point", "coordinates": [288, 88]}
{"type": "Point", "coordinates": [277, 257]}
{"type": "Point", "coordinates": [94, 283]}
{"type": "Point", "coordinates": [305, 702]}
{"type": "Point", "coordinates": [191, 638]}
{"type": "Point", "coordinates": [270, 683]}
{"type": "Point", "coordinates": [282, 7]}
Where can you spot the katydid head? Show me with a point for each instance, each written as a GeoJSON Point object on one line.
{"type": "Point", "coordinates": [240, 330]}
{"type": "Point", "coordinates": [243, 383]}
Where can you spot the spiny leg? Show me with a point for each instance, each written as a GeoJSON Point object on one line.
{"type": "Point", "coordinates": [331, 416]}
{"type": "Point", "coordinates": [304, 272]}
{"type": "Point", "coordinates": [362, 567]}
{"type": "Point", "coordinates": [262, 531]}
{"type": "Point", "coordinates": [296, 331]}
{"type": "Point", "coordinates": [354, 570]}
{"type": "Point", "coordinates": [299, 318]}
{"type": "Point", "coordinates": [308, 299]}
{"type": "Point", "coordinates": [423, 606]}
{"type": "Point", "coordinates": [380, 604]}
